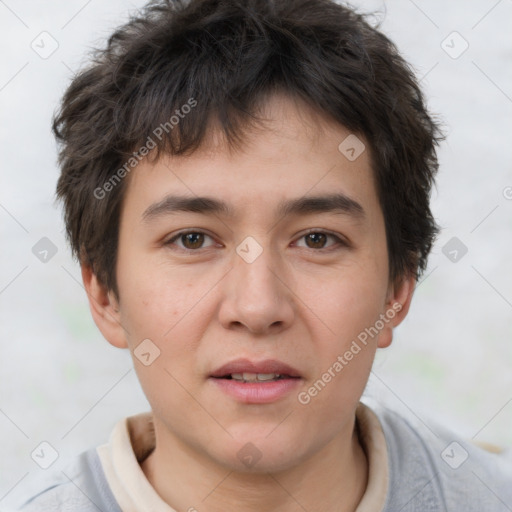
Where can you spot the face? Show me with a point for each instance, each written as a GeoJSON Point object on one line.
{"type": "Point", "coordinates": [259, 272]}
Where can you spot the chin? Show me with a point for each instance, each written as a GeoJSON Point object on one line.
{"type": "Point", "coordinates": [259, 454]}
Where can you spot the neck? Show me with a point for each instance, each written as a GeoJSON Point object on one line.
{"type": "Point", "coordinates": [332, 479]}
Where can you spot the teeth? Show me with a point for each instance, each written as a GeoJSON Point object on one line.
{"type": "Point", "coordinates": [267, 376]}
{"type": "Point", "coordinates": [253, 377]}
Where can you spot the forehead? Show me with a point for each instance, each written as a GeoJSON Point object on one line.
{"type": "Point", "coordinates": [295, 153]}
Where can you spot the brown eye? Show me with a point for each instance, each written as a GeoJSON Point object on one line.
{"type": "Point", "coordinates": [189, 240]}
{"type": "Point", "coordinates": [320, 240]}
{"type": "Point", "coordinates": [316, 240]}
{"type": "Point", "coordinates": [192, 240]}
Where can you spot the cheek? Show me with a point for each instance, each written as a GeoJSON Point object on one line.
{"type": "Point", "coordinates": [148, 311]}
{"type": "Point", "coordinates": [171, 309]}
{"type": "Point", "coordinates": [164, 312]}
{"type": "Point", "coordinates": [343, 311]}
{"type": "Point", "coordinates": [157, 298]}
{"type": "Point", "coordinates": [346, 305]}
{"type": "Point", "coordinates": [344, 351]}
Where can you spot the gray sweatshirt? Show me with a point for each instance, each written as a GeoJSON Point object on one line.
{"type": "Point", "coordinates": [429, 470]}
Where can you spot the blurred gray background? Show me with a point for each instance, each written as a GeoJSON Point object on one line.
{"type": "Point", "coordinates": [451, 359]}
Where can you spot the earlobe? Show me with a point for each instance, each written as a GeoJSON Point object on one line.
{"type": "Point", "coordinates": [104, 309]}
{"type": "Point", "coordinates": [397, 306]}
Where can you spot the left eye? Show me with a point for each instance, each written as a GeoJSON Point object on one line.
{"type": "Point", "coordinates": [317, 239]}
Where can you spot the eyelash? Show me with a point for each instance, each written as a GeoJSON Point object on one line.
{"type": "Point", "coordinates": [340, 241]}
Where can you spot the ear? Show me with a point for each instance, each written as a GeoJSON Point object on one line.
{"type": "Point", "coordinates": [398, 300]}
{"type": "Point", "coordinates": [104, 309]}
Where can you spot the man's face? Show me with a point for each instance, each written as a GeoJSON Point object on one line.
{"type": "Point", "coordinates": [251, 284]}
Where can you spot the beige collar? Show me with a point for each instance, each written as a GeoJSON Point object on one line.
{"type": "Point", "coordinates": [133, 439]}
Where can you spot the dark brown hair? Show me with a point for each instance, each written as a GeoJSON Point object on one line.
{"type": "Point", "coordinates": [225, 57]}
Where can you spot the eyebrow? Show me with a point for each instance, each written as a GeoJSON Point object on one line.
{"type": "Point", "coordinates": [331, 203]}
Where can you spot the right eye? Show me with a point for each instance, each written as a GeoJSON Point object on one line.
{"type": "Point", "coordinates": [190, 240]}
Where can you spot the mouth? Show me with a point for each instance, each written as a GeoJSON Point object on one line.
{"type": "Point", "coordinates": [251, 382]}
{"type": "Point", "coordinates": [256, 377]}
{"type": "Point", "coordinates": [250, 371]}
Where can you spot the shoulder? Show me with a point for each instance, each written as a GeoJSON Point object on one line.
{"type": "Point", "coordinates": [434, 469]}
{"type": "Point", "coordinates": [79, 487]}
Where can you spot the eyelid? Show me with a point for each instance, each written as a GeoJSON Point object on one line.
{"type": "Point", "coordinates": [340, 240]}
{"type": "Point", "coordinates": [176, 236]}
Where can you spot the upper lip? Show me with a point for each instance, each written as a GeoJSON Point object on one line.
{"type": "Point", "coordinates": [247, 366]}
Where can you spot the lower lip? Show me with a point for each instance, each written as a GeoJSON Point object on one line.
{"type": "Point", "coordinates": [257, 392]}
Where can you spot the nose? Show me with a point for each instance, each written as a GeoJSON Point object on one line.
{"type": "Point", "coordinates": [257, 296]}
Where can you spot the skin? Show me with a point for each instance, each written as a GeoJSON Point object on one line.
{"type": "Point", "coordinates": [296, 303]}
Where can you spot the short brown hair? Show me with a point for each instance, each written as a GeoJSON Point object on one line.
{"type": "Point", "coordinates": [228, 56]}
